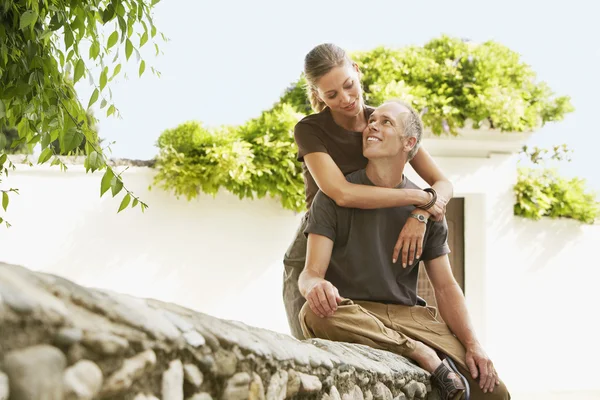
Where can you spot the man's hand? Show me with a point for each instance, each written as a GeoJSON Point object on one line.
{"type": "Point", "coordinates": [438, 210]}
{"type": "Point", "coordinates": [410, 240]}
{"type": "Point", "coordinates": [481, 366]}
{"type": "Point", "coordinates": [323, 298]}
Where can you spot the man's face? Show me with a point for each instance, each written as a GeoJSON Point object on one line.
{"type": "Point", "coordinates": [384, 136]}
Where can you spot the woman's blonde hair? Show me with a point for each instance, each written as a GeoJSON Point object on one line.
{"type": "Point", "coordinates": [318, 62]}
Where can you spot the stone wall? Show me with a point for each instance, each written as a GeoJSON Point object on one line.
{"type": "Point", "coordinates": [59, 340]}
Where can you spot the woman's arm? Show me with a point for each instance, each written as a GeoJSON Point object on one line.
{"type": "Point", "coordinates": [332, 182]}
{"type": "Point", "coordinates": [425, 166]}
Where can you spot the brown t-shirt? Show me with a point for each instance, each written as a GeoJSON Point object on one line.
{"type": "Point", "coordinates": [318, 133]}
{"type": "Point", "coordinates": [363, 242]}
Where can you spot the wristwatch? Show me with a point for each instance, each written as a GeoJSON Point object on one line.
{"type": "Point", "coordinates": [419, 217]}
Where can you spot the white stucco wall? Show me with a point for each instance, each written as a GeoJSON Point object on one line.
{"type": "Point", "coordinates": [531, 286]}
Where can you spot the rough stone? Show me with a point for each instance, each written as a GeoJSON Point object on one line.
{"type": "Point", "coordinates": [201, 396]}
{"type": "Point", "coordinates": [82, 381]}
{"type": "Point", "coordinates": [257, 389]}
{"type": "Point", "coordinates": [277, 386]}
{"type": "Point", "coordinates": [35, 372]}
{"type": "Point", "coordinates": [238, 387]}
{"type": "Point", "coordinates": [76, 353]}
{"type": "Point", "coordinates": [132, 369]}
{"type": "Point", "coordinates": [382, 392]}
{"type": "Point", "coordinates": [354, 394]}
{"type": "Point", "coordinates": [368, 395]}
{"type": "Point", "coordinates": [293, 384]}
{"type": "Point", "coordinates": [334, 393]}
{"type": "Point", "coordinates": [4, 388]}
{"type": "Point", "coordinates": [226, 363]}
{"type": "Point", "coordinates": [65, 337]}
{"type": "Point", "coordinates": [25, 297]}
{"type": "Point", "coordinates": [193, 375]}
{"type": "Point", "coordinates": [401, 396]}
{"type": "Point", "coordinates": [105, 343]}
{"type": "Point", "coordinates": [309, 383]}
{"type": "Point", "coordinates": [172, 381]}
{"type": "Point", "coordinates": [194, 339]}
{"type": "Point", "coordinates": [414, 389]}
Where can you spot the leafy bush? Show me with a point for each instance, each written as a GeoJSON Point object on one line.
{"type": "Point", "coordinates": [255, 159]}
{"type": "Point", "coordinates": [544, 193]}
{"type": "Point", "coordinates": [455, 84]}
{"type": "Point", "coordinates": [450, 81]}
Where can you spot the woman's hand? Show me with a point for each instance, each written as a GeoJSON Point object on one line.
{"type": "Point", "coordinates": [410, 241]}
{"type": "Point", "coordinates": [438, 210]}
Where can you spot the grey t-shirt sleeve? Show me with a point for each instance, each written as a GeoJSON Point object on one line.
{"type": "Point", "coordinates": [322, 218]}
{"type": "Point", "coordinates": [436, 243]}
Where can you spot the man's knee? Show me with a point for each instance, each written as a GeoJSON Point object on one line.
{"type": "Point", "coordinates": [315, 326]}
{"type": "Point", "coordinates": [500, 393]}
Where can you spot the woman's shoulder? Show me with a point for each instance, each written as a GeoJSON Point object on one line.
{"type": "Point", "coordinates": [318, 119]}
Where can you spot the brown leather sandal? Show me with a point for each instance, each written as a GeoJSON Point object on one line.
{"type": "Point", "coordinates": [452, 385]}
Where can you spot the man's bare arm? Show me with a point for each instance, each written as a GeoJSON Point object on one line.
{"type": "Point", "coordinates": [452, 306]}
{"type": "Point", "coordinates": [321, 295]}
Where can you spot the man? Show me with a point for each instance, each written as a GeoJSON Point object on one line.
{"type": "Point", "coordinates": [356, 293]}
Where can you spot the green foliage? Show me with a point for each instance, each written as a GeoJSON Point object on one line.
{"type": "Point", "coordinates": [449, 80]}
{"type": "Point", "coordinates": [255, 159]}
{"type": "Point", "coordinates": [543, 193]}
{"type": "Point", "coordinates": [455, 84]}
{"type": "Point", "coordinates": [41, 44]}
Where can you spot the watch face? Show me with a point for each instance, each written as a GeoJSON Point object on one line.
{"type": "Point", "coordinates": [421, 218]}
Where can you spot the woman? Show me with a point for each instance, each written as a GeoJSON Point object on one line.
{"type": "Point", "coordinates": [330, 147]}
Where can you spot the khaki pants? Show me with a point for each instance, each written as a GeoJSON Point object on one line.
{"type": "Point", "coordinates": [293, 263]}
{"type": "Point", "coordinates": [390, 327]}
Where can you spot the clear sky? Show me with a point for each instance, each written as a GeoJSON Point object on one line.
{"type": "Point", "coordinates": [226, 61]}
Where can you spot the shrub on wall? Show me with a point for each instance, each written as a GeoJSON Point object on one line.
{"type": "Point", "coordinates": [452, 82]}
{"type": "Point", "coordinates": [544, 193]}
{"type": "Point", "coordinates": [255, 159]}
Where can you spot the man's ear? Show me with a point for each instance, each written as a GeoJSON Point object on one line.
{"type": "Point", "coordinates": [409, 143]}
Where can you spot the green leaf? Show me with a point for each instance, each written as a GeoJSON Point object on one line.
{"type": "Point", "coordinates": [45, 140]}
{"type": "Point", "coordinates": [93, 160]}
{"type": "Point", "coordinates": [116, 71]}
{"type": "Point", "coordinates": [70, 140]}
{"type": "Point", "coordinates": [124, 202]}
{"type": "Point", "coordinates": [94, 98]}
{"type": "Point", "coordinates": [144, 39]}
{"type": "Point", "coordinates": [128, 49]}
{"type": "Point", "coordinates": [68, 38]}
{"type": "Point", "coordinates": [153, 31]}
{"type": "Point", "coordinates": [135, 203]}
{"type": "Point", "coordinates": [112, 39]}
{"type": "Point", "coordinates": [142, 67]}
{"type": "Point", "coordinates": [94, 50]}
{"type": "Point", "coordinates": [110, 110]}
{"type": "Point", "coordinates": [2, 109]}
{"type": "Point", "coordinates": [3, 141]}
{"type": "Point", "coordinates": [4, 200]}
{"type": "Point", "coordinates": [79, 70]}
{"type": "Point", "coordinates": [45, 156]}
{"type": "Point", "coordinates": [103, 78]}
{"type": "Point", "coordinates": [28, 18]}
{"type": "Point", "coordinates": [116, 185]}
{"type": "Point", "coordinates": [103, 103]}
{"type": "Point", "coordinates": [106, 181]}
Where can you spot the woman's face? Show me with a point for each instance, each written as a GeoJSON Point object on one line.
{"type": "Point", "coordinates": [340, 90]}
